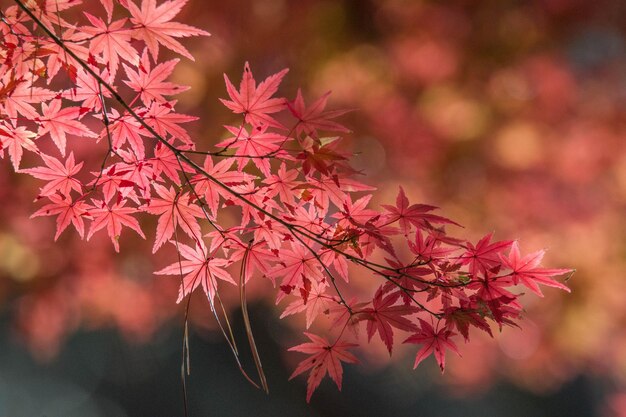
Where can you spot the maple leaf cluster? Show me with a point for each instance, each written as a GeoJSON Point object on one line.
{"type": "Point", "coordinates": [304, 218]}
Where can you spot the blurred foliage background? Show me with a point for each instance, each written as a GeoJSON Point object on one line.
{"type": "Point", "coordinates": [509, 115]}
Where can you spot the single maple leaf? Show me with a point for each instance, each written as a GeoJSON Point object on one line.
{"type": "Point", "coordinates": [112, 41]}
{"type": "Point", "coordinates": [254, 101]}
{"type": "Point", "coordinates": [220, 171]}
{"type": "Point", "coordinates": [113, 218]}
{"type": "Point", "coordinates": [16, 139]}
{"type": "Point", "coordinates": [166, 162]}
{"type": "Point", "coordinates": [153, 25]}
{"type": "Point", "coordinates": [200, 269]}
{"type": "Point", "coordinates": [114, 184]}
{"type": "Point", "coordinates": [125, 129]}
{"type": "Point", "coordinates": [282, 184]}
{"type": "Point", "coordinates": [60, 177]}
{"type": "Point", "coordinates": [316, 302]}
{"type": "Point", "coordinates": [58, 57]}
{"type": "Point", "coordinates": [429, 248]}
{"type": "Point", "coordinates": [320, 155]}
{"type": "Point", "coordinates": [259, 257]}
{"type": "Point", "coordinates": [313, 118]}
{"type": "Point", "coordinates": [150, 82]}
{"type": "Point", "coordinates": [162, 118]}
{"type": "Point", "coordinates": [87, 90]}
{"type": "Point", "coordinates": [326, 358]}
{"type": "Point", "coordinates": [491, 286]}
{"type": "Point", "coordinates": [416, 214]}
{"type": "Point", "coordinates": [433, 341]}
{"type": "Point", "coordinates": [384, 315]}
{"type": "Point", "coordinates": [174, 210]}
{"type": "Point", "coordinates": [68, 211]}
{"type": "Point", "coordinates": [296, 264]}
{"type": "Point", "coordinates": [20, 98]}
{"type": "Point", "coordinates": [484, 255]}
{"type": "Point", "coordinates": [333, 189]}
{"type": "Point", "coordinates": [256, 145]}
{"type": "Point", "coordinates": [463, 317]}
{"type": "Point", "coordinates": [526, 270]}
{"type": "Point", "coordinates": [59, 121]}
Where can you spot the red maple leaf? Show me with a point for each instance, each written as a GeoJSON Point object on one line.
{"type": "Point", "coordinates": [126, 129]}
{"type": "Point", "coordinates": [175, 210]}
{"type": "Point", "coordinates": [60, 177]}
{"type": "Point", "coordinates": [326, 358]}
{"type": "Point", "coordinates": [320, 155]}
{"type": "Point", "coordinates": [162, 118]}
{"type": "Point", "coordinates": [88, 90]}
{"type": "Point", "coordinates": [313, 118]}
{"type": "Point", "coordinates": [256, 102]}
{"type": "Point", "coordinates": [484, 255]}
{"type": "Point", "coordinates": [112, 41]}
{"type": "Point", "coordinates": [256, 145]}
{"type": "Point", "coordinates": [416, 214]}
{"type": "Point", "coordinates": [384, 315]}
{"type": "Point", "coordinates": [16, 139]}
{"type": "Point", "coordinates": [525, 270]}
{"type": "Point", "coordinates": [59, 121]}
{"type": "Point", "coordinates": [296, 264]}
{"type": "Point", "coordinates": [434, 341]}
{"type": "Point", "coordinates": [200, 269]}
{"type": "Point", "coordinates": [150, 83]}
{"type": "Point", "coordinates": [282, 184]}
{"type": "Point", "coordinates": [153, 25]}
{"type": "Point", "coordinates": [316, 302]}
{"type": "Point", "coordinates": [220, 171]}
{"type": "Point", "coordinates": [68, 211]}
{"type": "Point", "coordinates": [17, 101]}
{"type": "Point", "coordinates": [463, 317]}
{"type": "Point", "coordinates": [113, 218]}
{"type": "Point", "coordinates": [259, 258]}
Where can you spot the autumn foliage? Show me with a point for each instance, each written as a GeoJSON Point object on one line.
{"type": "Point", "coordinates": [304, 218]}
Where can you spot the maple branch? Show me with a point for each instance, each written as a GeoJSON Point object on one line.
{"type": "Point", "coordinates": [181, 157]}
{"type": "Point", "coordinates": [179, 154]}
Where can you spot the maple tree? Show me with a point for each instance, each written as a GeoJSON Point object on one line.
{"type": "Point", "coordinates": [305, 222]}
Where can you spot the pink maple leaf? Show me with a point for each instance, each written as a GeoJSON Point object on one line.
{"type": "Point", "coordinates": [59, 121]}
{"type": "Point", "coordinates": [383, 316]}
{"type": "Point", "coordinates": [154, 26]}
{"type": "Point", "coordinates": [256, 145]}
{"type": "Point", "coordinates": [433, 341]}
{"type": "Point", "coordinates": [126, 129]}
{"type": "Point", "coordinates": [150, 82]}
{"type": "Point", "coordinates": [200, 269]}
{"type": "Point", "coordinates": [525, 270]}
{"type": "Point", "coordinates": [20, 99]}
{"type": "Point", "coordinates": [162, 118]}
{"type": "Point", "coordinates": [484, 255]}
{"type": "Point", "coordinates": [68, 211]}
{"type": "Point", "coordinates": [60, 177]}
{"type": "Point", "coordinates": [220, 172]}
{"type": "Point", "coordinates": [112, 41]}
{"type": "Point", "coordinates": [88, 90]}
{"type": "Point", "coordinates": [316, 302]}
{"type": "Point", "coordinates": [254, 101]}
{"type": "Point", "coordinates": [16, 140]}
{"type": "Point", "coordinates": [414, 215]}
{"type": "Point", "coordinates": [325, 359]}
{"type": "Point", "coordinates": [113, 218]}
{"type": "Point", "coordinates": [174, 210]}
{"type": "Point", "coordinates": [313, 118]}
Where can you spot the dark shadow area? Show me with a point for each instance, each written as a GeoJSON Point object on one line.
{"type": "Point", "coordinates": [98, 375]}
